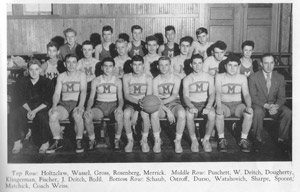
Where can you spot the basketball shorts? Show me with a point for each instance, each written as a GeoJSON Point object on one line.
{"type": "Point", "coordinates": [68, 105]}
{"type": "Point", "coordinates": [107, 108]}
{"type": "Point", "coordinates": [200, 106]}
{"type": "Point", "coordinates": [235, 108]}
{"type": "Point", "coordinates": [172, 106]}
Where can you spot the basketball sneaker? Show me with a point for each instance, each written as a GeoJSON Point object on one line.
{"type": "Point", "coordinates": [17, 147]}
{"type": "Point", "coordinates": [145, 146]}
{"type": "Point", "coordinates": [157, 146]}
{"type": "Point", "coordinates": [245, 145]}
{"type": "Point", "coordinates": [44, 147]}
{"type": "Point", "coordinates": [206, 145]}
{"type": "Point", "coordinates": [178, 148]}
{"type": "Point", "coordinates": [79, 148]}
{"type": "Point", "coordinates": [117, 145]}
{"type": "Point", "coordinates": [222, 145]}
{"type": "Point", "coordinates": [129, 146]}
{"type": "Point", "coordinates": [92, 144]}
{"type": "Point", "coordinates": [195, 146]}
{"type": "Point", "coordinates": [101, 143]}
{"type": "Point", "coordinates": [55, 146]}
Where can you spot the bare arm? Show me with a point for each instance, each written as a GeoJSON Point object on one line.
{"type": "Point", "coordinates": [245, 91]}
{"type": "Point", "coordinates": [218, 87]}
{"type": "Point", "coordinates": [92, 94]}
{"type": "Point", "coordinates": [161, 49]}
{"type": "Point", "coordinates": [98, 50]}
{"type": "Point", "coordinates": [120, 94]}
{"type": "Point", "coordinates": [83, 85]}
{"type": "Point", "coordinates": [186, 94]}
{"type": "Point", "coordinates": [211, 92]}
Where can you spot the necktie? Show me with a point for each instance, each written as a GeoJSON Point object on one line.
{"type": "Point", "coordinates": [268, 82]}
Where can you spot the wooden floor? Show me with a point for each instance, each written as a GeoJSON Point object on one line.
{"type": "Point", "coordinates": [269, 151]}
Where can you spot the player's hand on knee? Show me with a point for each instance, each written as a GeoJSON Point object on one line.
{"type": "Point", "coordinates": [119, 111]}
{"type": "Point", "coordinates": [140, 103]}
{"type": "Point", "coordinates": [78, 109]}
{"type": "Point", "coordinates": [193, 110]}
{"type": "Point", "coordinates": [206, 111]}
{"type": "Point", "coordinates": [88, 113]}
{"type": "Point", "coordinates": [134, 118]}
{"type": "Point", "coordinates": [219, 111]}
{"type": "Point", "coordinates": [171, 117]}
{"type": "Point", "coordinates": [52, 110]}
{"type": "Point", "coordinates": [249, 110]}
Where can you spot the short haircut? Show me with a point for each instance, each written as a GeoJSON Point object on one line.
{"type": "Point", "coordinates": [121, 41]}
{"type": "Point", "coordinates": [87, 42]}
{"type": "Point", "coordinates": [34, 61]}
{"type": "Point", "coordinates": [267, 55]}
{"type": "Point", "coordinates": [197, 56]}
{"type": "Point", "coordinates": [136, 27]}
{"type": "Point", "coordinates": [232, 58]}
{"type": "Point", "coordinates": [108, 59]}
{"type": "Point", "coordinates": [247, 43]}
{"type": "Point", "coordinates": [137, 58]}
{"type": "Point", "coordinates": [151, 38]}
{"type": "Point", "coordinates": [69, 30]}
{"type": "Point", "coordinates": [220, 44]}
{"type": "Point", "coordinates": [186, 39]}
{"type": "Point", "coordinates": [124, 36]}
{"type": "Point", "coordinates": [169, 28]}
{"type": "Point", "coordinates": [201, 30]}
{"type": "Point", "coordinates": [107, 28]}
{"type": "Point", "coordinates": [52, 44]}
{"type": "Point", "coordinates": [71, 56]}
{"type": "Point", "coordinates": [164, 58]}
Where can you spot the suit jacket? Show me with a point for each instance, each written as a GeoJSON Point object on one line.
{"type": "Point", "coordinates": [259, 92]}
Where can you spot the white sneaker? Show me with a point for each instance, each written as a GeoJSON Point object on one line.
{"type": "Point", "coordinates": [145, 146]}
{"type": "Point", "coordinates": [17, 147]}
{"type": "Point", "coordinates": [206, 145]}
{"type": "Point", "coordinates": [195, 146]}
{"type": "Point", "coordinates": [157, 146]}
{"type": "Point", "coordinates": [178, 148]}
{"type": "Point", "coordinates": [129, 146]}
{"type": "Point", "coordinates": [44, 147]}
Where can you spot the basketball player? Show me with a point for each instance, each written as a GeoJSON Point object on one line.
{"type": "Point", "coordinates": [122, 58]}
{"type": "Point", "coordinates": [71, 88]}
{"type": "Point", "coordinates": [137, 46]}
{"type": "Point", "coordinates": [178, 61]}
{"type": "Point", "coordinates": [200, 46]}
{"type": "Point", "coordinates": [199, 96]}
{"type": "Point", "coordinates": [106, 48]}
{"type": "Point", "coordinates": [152, 56]}
{"type": "Point", "coordinates": [109, 102]}
{"type": "Point", "coordinates": [135, 86]}
{"type": "Point", "coordinates": [166, 87]}
{"type": "Point", "coordinates": [88, 63]}
{"type": "Point", "coordinates": [230, 87]}
{"type": "Point", "coordinates": [211, 64]}
{"type": "Point", "coordinates": [170, 49]}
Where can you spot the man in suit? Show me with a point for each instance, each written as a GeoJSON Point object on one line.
{"type": "Point", "coordinates": [267, 90]}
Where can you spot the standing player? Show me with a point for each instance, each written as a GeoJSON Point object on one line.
{"type": "Point", "coordinates": [87, 64]}
{"type": "Point", "coordinates": [152, 56]}
{"type": "Point", "coordinates": [106, 48]}
{"type": "Point", "coordinates": [166, 87]}
{"type": "Point", "coordinates": [71, 47]}
{"type": "Point", "coordinates": [178, 61]}
{"type": "Point", "coordinates": [201, 46]}
{"type": "Point", "coordinates": [248, 65]}
{"type": "Point", "coordinates": [137, 46]}
{"type": "Point", "coordinates": [229, 89]}
{"type": "Point", "coordinates": [135, 86]}
{"type": "Point", "coordinates": [199, 96]}
{"type": "Point", "coordinates": [109, 102]}
{"type": "Point", "coordinates": [71, 88]}
{"type": "Point", "coordinates": [170, 49]}
{"type": "Point", "coordinates": [122, 58]}
{"type": "Point", "coordinates": [211, 64]}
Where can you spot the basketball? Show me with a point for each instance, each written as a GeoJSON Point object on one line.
{"type": "Point", "coordinates": [151, 104]}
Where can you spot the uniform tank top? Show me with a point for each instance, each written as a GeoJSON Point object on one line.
{"type": "Point", "coordinates": [88, 68]}
{"type": "Point", "coordinates": [51, 71]}
{"type": "Point", "coordinates": [198, 88]}
{"type": "Point", "coordinates": [231, 88]}
{"type": "Point", "coordinates": [107, 90]}
{"type": "Point", "coordinates": [137, 86]}
{"type": "Point", "coordinates": [168, 52]}
{"type": "Point", "coordinates": [119, 66]}
{"type": "Point", "coordinates": [201, 49]}
{"type": "Point", "coordinates": [246, 71]}
{"type": "Point", "coordinates": [104, 53]}
{"type": "Point", "coordinates": [165, 86]}
{"type": "Point", "coordinates": [71, 86]}
{"type": "Point", "coordinates": [178, 65]}
{"type": "Point", "coordinates": [136, 50]}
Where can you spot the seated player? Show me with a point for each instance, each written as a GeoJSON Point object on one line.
{"type": "Point", "coordinates": [87, 64]}
{"type": "Point", "coordinates": [230, 87]}
{"type": "Point", "coordinates": [248, 65]}
{"type": "Point", "coordinates": [137, 46]}
{"type": "Point", "coordinates": [106, 48]}
{"type": "Point", "coordinates": [202, 45]}
{"type": "Point", "coordinates": [109, 102]}
{"type": "Point", "coordinates": [152, 56]}
{"type": "Point", "coordinates": [71, 88]}
{"type": "Point", "coordinates": [34, 94]}
{"type": "Point", "coordinates": [211, 64]}
{"type": "Point", "coordinates": [199, 96]}
{"type": "Point", "coordinates": [166, 87]}
{"type": "Point", "coordinates": [170, 49]}
{"type": "Point", "coordinates": [135, 86]}
{"type": "Point", "coordinates": [178, 61]}
{"type": "Point", "coordinates": [71, 47]}
{"type": "Point", "coordinates": [267, 89]}
{"type": "Point", "coordinates": [122, 58]}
